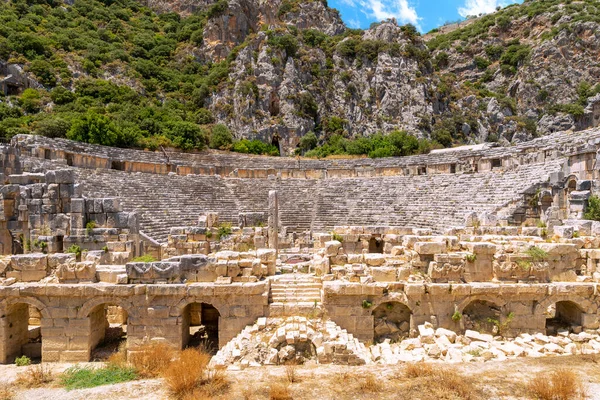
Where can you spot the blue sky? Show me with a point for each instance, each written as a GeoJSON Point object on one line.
{"type": "Point", "coordinates": [424, 14]}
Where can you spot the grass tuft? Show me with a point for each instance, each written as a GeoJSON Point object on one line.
{"type": "Point", "coordinates": [152, 359]}
{"type": "Point", "coordinates": [88, 377]}
{"type": "Point", "coordinates": [280, 391]}
{"type": "Point", "coordinates": [35, 376]}
{"type": "Point", "coordinates": [561, 384]}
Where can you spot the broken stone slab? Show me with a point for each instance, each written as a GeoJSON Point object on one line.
{"type": "Point", "coordinates": [476, 336]}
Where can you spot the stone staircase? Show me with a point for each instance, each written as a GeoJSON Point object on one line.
{"type": "Point", "coordinates": [295, 294]}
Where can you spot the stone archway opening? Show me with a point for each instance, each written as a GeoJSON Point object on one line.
{"type": "Point", "coordinates": [482, 316]}
{"type": "Point", "coordinates": [376, 245]}
{"type": "Point", "coordinates": [563, 315]}
{"type": "Point", "coordinates": [391, 320]}
{"type": "Point", "coordinates": [23, 333]}
{"type": "Point", "coordinates": [108, 330]}
{"type": "Point", "coordinates": [200, 325]}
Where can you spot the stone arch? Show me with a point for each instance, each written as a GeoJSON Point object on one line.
{"type": "Point", "coordinates": [200, 323]}
{"type": "Point", "coordinates": [91, 304]}
{"type": "Point", "coordinates": [571, 183]}
{"type": "Point", "coordinates": [482, 314]}
{"type": "Point", "coordinates": [563, 313]}
{"type": "Point", "coordinates": [21, 330]}
{"type": "Point", "coordinates": [300, 350]}
{"type": "Point", "coordinates": [391, 320]}
{"type": "Point", "coordinates": [108, 326]}
{"type": "Point", "coordinates": [460, 307]}
{"type": "Point", "coordinates": [42, 308]}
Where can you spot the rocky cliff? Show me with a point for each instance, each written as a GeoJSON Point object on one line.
{"type": "Point", "coordinates": [276, 70]}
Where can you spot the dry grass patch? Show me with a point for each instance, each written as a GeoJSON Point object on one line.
{"type": "Point", "coordinates": [35, 376]}
{"type": "Point", "coordinates": [280, 391]}
{"type": "Point", "coordinates": [370, 384]}
{"type": "Point", "coordinates": [152, 359]}
{"type": "Point", "coordinates": [560, 384]}
{"type": "Point", "coordinates": [6, 392]}
{"type": "Point", "coordinates": [426, 381]}
{"type": "Point", "coordinates": [291, 373]}
{"type": "Point", "coordinates": [188, 377]}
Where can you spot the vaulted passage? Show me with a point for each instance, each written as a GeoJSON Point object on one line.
{"type": "Point", "coordinates": [108, 330]}
{"type": "Point", "coordinates": [21, 333]}
{"type": "Point", "coordinates": [391, 320]}
{"type": "Point", "coordinates": [562, 315]}
{"type": "Point", "coordinates": [482, 316]}
{"type": "Point", "coordinates": [200, 326]}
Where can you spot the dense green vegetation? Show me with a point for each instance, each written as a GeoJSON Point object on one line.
{"type": "Point", "coordinates": [121, 38]}
{"type": "Point", "coordinates": [78, 377]}
{"type": "Point", "coordinates": [397, 143]}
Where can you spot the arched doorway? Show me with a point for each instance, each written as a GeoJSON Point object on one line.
{"type": "Point", "coordinates": [375, 245]}
{"type": "Point", "coordinates": [563, 315]}
{"type": "Point", "coordinates": [391, 320]}
{"type": "Point", "coordinates": [108, 330]}
{"type": "Point", "coordinates": [482, 316]}
{"type": "Point", "coordinates": [200, 326]}
{"type": "Point", "coordinates": [22, 333]}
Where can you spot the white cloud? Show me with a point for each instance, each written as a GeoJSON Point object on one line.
{"type": "Point", "coordinates": [354, 23]}
{"type": "Point", "coordinates": [385, 9]}
{"type": "Point", "coordinates": [476, 7]}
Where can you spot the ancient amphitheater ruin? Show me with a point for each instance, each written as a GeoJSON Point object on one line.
{"type": "Point", "coordinates": [473, 252]}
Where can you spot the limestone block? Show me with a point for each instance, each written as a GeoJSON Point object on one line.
{"type": "Point", "coordinates": [444, 272]}
{"type": "Point", "coordinates": [340, 259]}
{"type": "Point", "coordinates": [95, 256]}
{"type": "Point", "coordinates": [480, 337]}
{"type": "Point", "coordinates": [321, 265]}
{"type": "Point", "coordinates": [29, 262]}
{"type": "Point", "coordinates": [266, 255]}
{"type": "Point", "coordinates": [430, 247]}
{"type": "Point", "coordinates": [374, 259]}
{"type": "Point", "coordinates": [332, 248]}
{"type": "Point", "coordinates": [383, 274]}
{"type": "Point", "coordinates": [563, 232]}
{"type": "Point", "coordinates": [482, 248]}
{"type": "Point", "coordinates": [60, 176]}
{"type": "Point", "coordinates": [56, 259]}
{"type": "Point", "coordinates": [169, 271]}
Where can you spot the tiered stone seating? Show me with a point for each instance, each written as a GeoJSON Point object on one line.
{"type": "Point", "coordinates": [435, 201]}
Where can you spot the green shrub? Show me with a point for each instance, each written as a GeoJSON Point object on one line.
{"type": "Point", "coordinates": [592, 211]}
{"type": "Point", "coordinates": [223, 230]}
{"type": "Point", "coordinates": [144, 258]}
{"type": "Point", "coordinates": [220, 137]}
{"type": "Point", "coordinates": [22, 361]}
{"type": "Point", "coordinates": [74, 249]}
{"type": "Point", "coordinates": [308, 141]}
{"type": "Point", "coordinates": [89, 227]}
{"type": "Point", "coordinates": [481, 63]}
{"type": "Point", "coordinates": [78, 377]}
{"type": "Point", "coordinates": [536, 253]}
{"type": "Point", "coordinates": [457, 316]}
{"type": "Point", "coordinates": [367, 304]}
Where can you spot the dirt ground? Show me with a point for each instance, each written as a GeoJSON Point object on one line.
{"type": "Point", "coordinates": [491, 380]}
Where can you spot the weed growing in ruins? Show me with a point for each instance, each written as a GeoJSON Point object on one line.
{"type": "Point", "coordinates": [89, 227]}
{"type": "Point", "coordinates": [209, 234]}
{"type": "Point", "coordinates": [280, 391]}
{"type": "Point", "coordinates": [501, 326]}
{"type": "Point", "coordinates": [224, 230]}
{"type": "Point", "coordinates": [366, 304]}
{"type": "Point", "coordinates": [74, 249]}
{"type": "Point", "coordinates": [471, 257]}
{"type": "Point", "coordinates": [524, 264]}
{"type": "Point", "coordinates": [87, 377]}
{"type": "Point", "coordinates": [6, 392]}
{"type": "Point", "coordinates": [457, 316]}
{"type": "Point", "coordinates": [576, 234]}
{"type": "Point", "coordinates": [190, 377]}
{"type": "Point", "coordinates": [338, 237]}
{"type": "Point", "coordinates": [593, 209]}
{"type": "Point", "coordinates": [22, 361]}
{"type": "Point", "coordinates": [536, 253]}
{"type": "Point", "coordinates": [152, 359]}
{"type": "Point", "coordinates": [144, 258]}
{"type": "Point", "coordinates": [35, 376]}
{"type": "Point", "coordinates": [541, 224]}
{"type": "Point", "coordinates": [370, 384]}
{"type": "Point", "coordinates": [291, 372]}
{"type": "Point", "coordinates": [562, 384]}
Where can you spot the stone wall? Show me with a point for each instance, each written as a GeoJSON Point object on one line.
{"type": "Point", "coordinates": [72, 316]}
